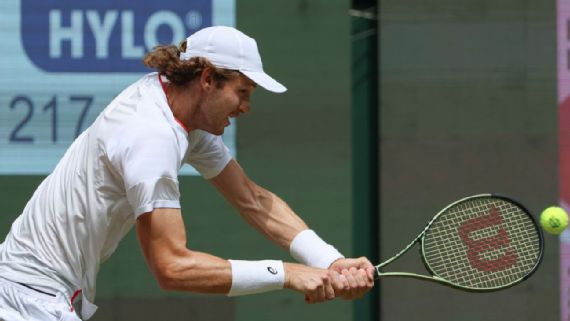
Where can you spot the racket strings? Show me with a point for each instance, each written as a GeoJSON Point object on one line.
{"type": "Point", "coordinates": [482, 243]}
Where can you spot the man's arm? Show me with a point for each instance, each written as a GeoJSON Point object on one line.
{"type": "Point", "coordinates": [162, 237]}
{"type": "Point", "coordinates": [262, 209]}
{"type": "Point", "coordinates": [270, 215]}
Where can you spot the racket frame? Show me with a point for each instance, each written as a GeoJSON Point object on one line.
{"type": "Point", "coordinates": [434, 277]}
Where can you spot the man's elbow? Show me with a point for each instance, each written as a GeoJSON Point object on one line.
{"type": "Point", "coordinates": [172, 276]}
{"type": "Point", "coordinates": [165, 281]}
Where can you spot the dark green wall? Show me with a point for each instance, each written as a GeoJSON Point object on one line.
{"type": "Point", "coordinates": [468, 105]}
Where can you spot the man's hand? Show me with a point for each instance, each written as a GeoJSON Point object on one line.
{"type": "Point", "coordinates": [357, 275]}
{"type": "Point", "coordinates": [318, 285]}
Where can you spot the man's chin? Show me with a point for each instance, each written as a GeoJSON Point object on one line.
{"type": "Point", "coordinates": [214, 131]}
{"type": "Point", "coordinates": [219, 132]}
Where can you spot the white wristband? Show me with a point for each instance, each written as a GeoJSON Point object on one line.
{"type": "Point", "coordinates": [308, 248]}
{"type": "Point", "coordinates": [249, 277]}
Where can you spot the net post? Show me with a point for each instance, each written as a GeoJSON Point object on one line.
{"type": "Point", "coordinates": [365, 145]}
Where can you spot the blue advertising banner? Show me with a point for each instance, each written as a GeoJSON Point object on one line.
{"type": "Point", "coordinates": [63, 61]}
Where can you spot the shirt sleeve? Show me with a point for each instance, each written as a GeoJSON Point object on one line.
{"type": "Point", "coordinates": [148, 159]}
{"type": "Point", "coordinates": [208, 155]}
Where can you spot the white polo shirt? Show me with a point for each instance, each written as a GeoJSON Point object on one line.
{"type": "Point", "coordinates": [122, 166]}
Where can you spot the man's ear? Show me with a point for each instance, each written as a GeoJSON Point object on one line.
{"type": "Point", "coordinates": [207, 79]}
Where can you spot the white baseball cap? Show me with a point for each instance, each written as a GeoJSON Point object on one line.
{"type": "Point", "coordinates": [229, 48]}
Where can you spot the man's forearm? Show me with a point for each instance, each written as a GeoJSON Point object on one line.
{"type": "Point", "coordinates": [270, 215]}
{"type": "Point", "coordinates": [262, 209]}
{"type": "Point", "coordinates": [163, 241]}
{"type": "Point", "coordinates": [196, 272]}
{"type": "Point", "coordinates": [278, 222]}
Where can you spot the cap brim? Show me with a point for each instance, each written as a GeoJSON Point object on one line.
{"type": "Point", "coordinates": [265, 81]}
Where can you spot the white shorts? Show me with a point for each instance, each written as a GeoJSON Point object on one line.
{"type": "Point", "coordinates": [19, 303]}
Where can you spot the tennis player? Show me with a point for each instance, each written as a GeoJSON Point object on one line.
{"type": "Point", "coordinates": [122, 171]}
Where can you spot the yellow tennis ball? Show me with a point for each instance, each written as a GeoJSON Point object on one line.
{"type": "Point", "coordinates": [554, 220]}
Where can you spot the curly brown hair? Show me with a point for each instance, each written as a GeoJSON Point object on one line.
{"type": "Point", "coordinates": [166, 59]}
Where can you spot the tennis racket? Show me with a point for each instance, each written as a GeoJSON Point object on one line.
{"type": "Point", "coordinates": [480, 243]}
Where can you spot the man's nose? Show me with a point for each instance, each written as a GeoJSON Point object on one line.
{"type": "Point", "coordinates": [244, 107]}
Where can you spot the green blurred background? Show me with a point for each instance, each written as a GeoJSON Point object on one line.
{"type": "Point", "coordinates": [467, 105]}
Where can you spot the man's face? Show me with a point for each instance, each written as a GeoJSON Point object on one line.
{"type": "Point", "coordinates": [229, 100]}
